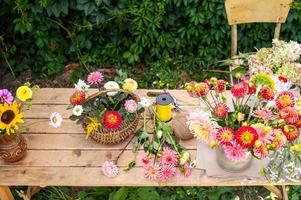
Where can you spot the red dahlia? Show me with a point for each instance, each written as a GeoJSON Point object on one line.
{"type": "Point", "coordinates": [221, 110]}
{"type": "Point", "coordinates": [267, 93]}
{"type": "Point", "coordinates": [239, 90]}
{"type": "Point", "coordinates": [246, 136]}
{"type": "Point", "coordinates": [202, 88]}
{"type": "Point", "coordinates": [282, 78]}
{"type": "Point", "coordinates": [285, 99]}
{"type": "Point", "coordinates": [224, 136]}
{"type": "Point", "coordinates": [220, 86]}
{"type": "Point", "coordinates": [77, 98]}
{"type": "Point", "coordinates": [289, 114]}
{"type": "Point", "coordinates": [291, 132]}
{"type": "Point", "coordinates": [252, 88]}
{"type": "Point", "coordinates": [112, 119]}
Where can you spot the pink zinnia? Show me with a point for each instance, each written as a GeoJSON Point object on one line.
{"type": "Point", "coordinates": [109, 169]}
{"type": "Point", "coordinates": [186, 170]}
{"type": "Point", "coordinates": [239, 90]}
{"type": "Point", "coordinates": [145, 161]}
{"type": "Point", "coordinates": [152, 172]}
{"type": "Point", "coordinates": [235, 152]}
{"type": "Point", "coordinates": [6, 96]}
{"type": "Point", "coordinates": [167, 171]}
{"type": "Point", "coordinates": [264, 114]}
{"type": "Point", "coordinates": [169, 157]}
{"type": "Point", "coordinates": [130, 106]}
{"type": "Point", "coordinates": [95, 77]}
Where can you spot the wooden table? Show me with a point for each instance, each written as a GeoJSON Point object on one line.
{"type": "Point", "coordinates": [63, 157]}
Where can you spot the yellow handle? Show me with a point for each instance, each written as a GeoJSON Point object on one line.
{"type": "Point", "coordinates": [164, 112]}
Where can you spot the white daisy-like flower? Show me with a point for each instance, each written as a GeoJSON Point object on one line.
{"type": "Point", "coordinates": [145, 102]}
{"type": "Point", "coordinates": [55, 120]}
{"type": "Point", "coordinates": [81, 85]}
{"type": "Point", "coordinates": [111, 85]}
{"type": "Point", "coordinates": [109, 169]}
{"type": "Point", "coordinates": [77, 110]}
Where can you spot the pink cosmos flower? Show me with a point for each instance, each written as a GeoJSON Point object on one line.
{"type": "Point", "coordinates": [235, 152]}
{"type": "Point", "coordinates": [167, 171]}
{"type": "Point", "coordinates": [145, 161]}
{"type": "Point", "coordinates": [55, 120]}
{"type": "Point", "coordinates": [169, 157]}
{"type": "Point", "coordinates": [186, 170]}
{"type": "Point", "coordinates": [130, 106]}
{"type": "Point", "coordinates": [264, 114]}
{"type": "Point", "coordinates": [95, 77]}
{"type": "Point", "coordinates": [152, 172]}
{"type": "Point", "coordinates": [6, 97]}
{"type": "Point", "coordinates": [109, 169]}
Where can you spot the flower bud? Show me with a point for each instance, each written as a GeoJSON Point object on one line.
{"type": "Point", "coordinates": [257, 144]}
{"type": "Point", "coordinates": [159, 134]}
{"type": "Point", "coordinates": [184, 158]}
{"type": "Point", "coordinates": [240, 117]}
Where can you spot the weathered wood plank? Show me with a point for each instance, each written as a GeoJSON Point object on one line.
{"type": "Point", "coordinates": [77, 158]}
{"type": "Point", "coordinates": [91, 176]}
{"type": "Point", "coordinates": [78, 141]}
{"type": "Point", "coordinates": [47, 96]}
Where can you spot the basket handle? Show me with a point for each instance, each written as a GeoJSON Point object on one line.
{"type": "Point", "coordinates": [103, 91]}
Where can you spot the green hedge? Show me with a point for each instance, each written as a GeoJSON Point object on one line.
{"type": "Point", "coordinates": [153, 35]}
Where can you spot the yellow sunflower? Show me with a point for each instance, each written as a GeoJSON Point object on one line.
{"type": "Point", "coordinates": [10, 115]}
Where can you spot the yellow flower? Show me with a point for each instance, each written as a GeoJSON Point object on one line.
{"type": "Point", "coordinates": [130, 85]}
{"type": "Point", "coordinates": [264, 80]}
{"type": "Point", "coordinates": [9, 117]}
{"type": "Point", "coordinates": [92, 126]}
{"type": "Point", "coordinates": [296, 148]}
{"type": "Point", "coordinates": [24, 93]}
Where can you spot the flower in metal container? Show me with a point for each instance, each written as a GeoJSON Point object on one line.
{"type": "Point", "coordinates": [224, 136]}
{"type": "Point", "coordinates": [289, 114]}
{"type": "Point", "coordinates": [267, 93]}
{"type": "Point", "coordinates": [145, 102]}
{"type": "Point", "coordinates": [166, 171]}
{"type": "Point", "coordinates": [130, 85]}
{"type": "Point", "coordinates": [111, 85]}
{"type": "Point", "coordinates": [81, 85]}
{"type": "Point", "coordinates": [284, 99]}
{"type": "Point", "coordinates": [77, 110]}
{"type": "Point", "coordinates": [239, 90]}
{"type": "Point", "coordinates": [235, 152]}
{"type": "Point", "coordinates": [291, 132]}
{"type": "Point", "coordinates": [112, 119]}
{"type": "Point", "coordinates": [221, 110]}
{"type": "Point", "coordinates": [186, 169]}
{"type": "Point", "coordinates": [55, 120]}
{"type": "Point", "coordinates": [6, 97]}
{"type": "Point", "coordinates": [77, 98]}
{"type": "Point", "coordinates": [24, 93]}
{"type": "Point", "coordinates": [109, 169]}
{"type": "Point", "coordinates": [130, 106]}
{"type": "Point", "coordinates": [169, 156]}
{"type": "Point", "coordinates": [95, 77]}
{"type": "Point", "coordinates": [201, 88]}
{"type": "Point", "coordinates": [10, 116]}
{"type": "Point", "coordinates": [246, 136]}
{"type": "Point", "coordinates": [264, 113]}
{"type": "Point", "coordinates": [152, 172]}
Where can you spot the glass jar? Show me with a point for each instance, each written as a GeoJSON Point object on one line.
{"type": "Point", "coordinates": [12, 147]}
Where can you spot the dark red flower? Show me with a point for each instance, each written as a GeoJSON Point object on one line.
{"type": "Point", "coordinates": [239, 90]}
{"type": "Point", "coordinates": [267, 93]}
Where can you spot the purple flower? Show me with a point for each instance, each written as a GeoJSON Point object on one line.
{"type": "Point", "coordinates": [6, 97]}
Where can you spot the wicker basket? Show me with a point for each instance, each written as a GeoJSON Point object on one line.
{"type": "Point", "coordinates": [114, 136]}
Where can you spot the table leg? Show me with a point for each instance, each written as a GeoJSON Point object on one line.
{"type": "Point", "coordinates": [284, 193]}
{"type": "Point", "coordinates": [275, 190]}
{"type": "Point", "coordinates": [5, 193]}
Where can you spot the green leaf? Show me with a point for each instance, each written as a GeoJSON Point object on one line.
{"type": "Point", "coordinates": [148, 193]}
{"type": "Point", "coordinates": [120, 194]}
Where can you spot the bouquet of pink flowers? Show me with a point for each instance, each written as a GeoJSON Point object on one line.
{"type": "Point", "coordinates": [260, 114]}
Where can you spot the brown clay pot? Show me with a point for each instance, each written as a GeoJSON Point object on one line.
{"type": "Point", "coordinates": [12, 147]}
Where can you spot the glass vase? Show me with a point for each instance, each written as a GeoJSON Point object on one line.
{"type": "Point", "coordinates": [231, 166]}
{"type": "Point", "coordinates": [12, 147]}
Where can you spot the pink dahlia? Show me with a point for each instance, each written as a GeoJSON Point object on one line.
{"type": "Point", "coordinates": [221, 110]}
{"type": "Point", "coordinates": [261, 152]}
{"type": "Point", "coordinates": [285, 99]}
{"type": "Point", "coordinates": [6, 97]}
{"type": "Point", "coordinates": [152, 172]}
{"type": "Point", "coordinates": [186, 169]}
{"type": "Point", "coordinates": [264, 114]}
{"type": "Point", "coordinates": [169, 157]}
{"type": "Point", "coordinates": [167, 171]}
{"type": "Point", "coordinates": [95, 77]}
{"type": "Point", "coordinates": [225, 136]}
{"type": "Point", "coordinates": [235, 152]}
{"type": "Point", "coordinates": [220, 86]}
{"type": "Point", "coordinates": [289, 114]}
{"type": "Point", "coordinates": [109, 169]}
{"type": "Point", "coordinates": [265, 135]}
{"type": "Point", "coordinates": [239, 90]}
{"type": "Point", "coordinates": [130, 106]}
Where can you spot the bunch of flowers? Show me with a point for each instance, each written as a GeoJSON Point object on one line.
{"type": "Point", "coordinates": [11, 114]}
{"type": "Point", "coordinates": [109, 111]}
{"type": "Point", "coordinates": [281, 59]}
{"type": "Point", "coordinates": [263, 117]}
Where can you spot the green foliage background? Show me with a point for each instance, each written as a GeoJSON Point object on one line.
{"type": "Point", "coordinates": [160, 37]}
